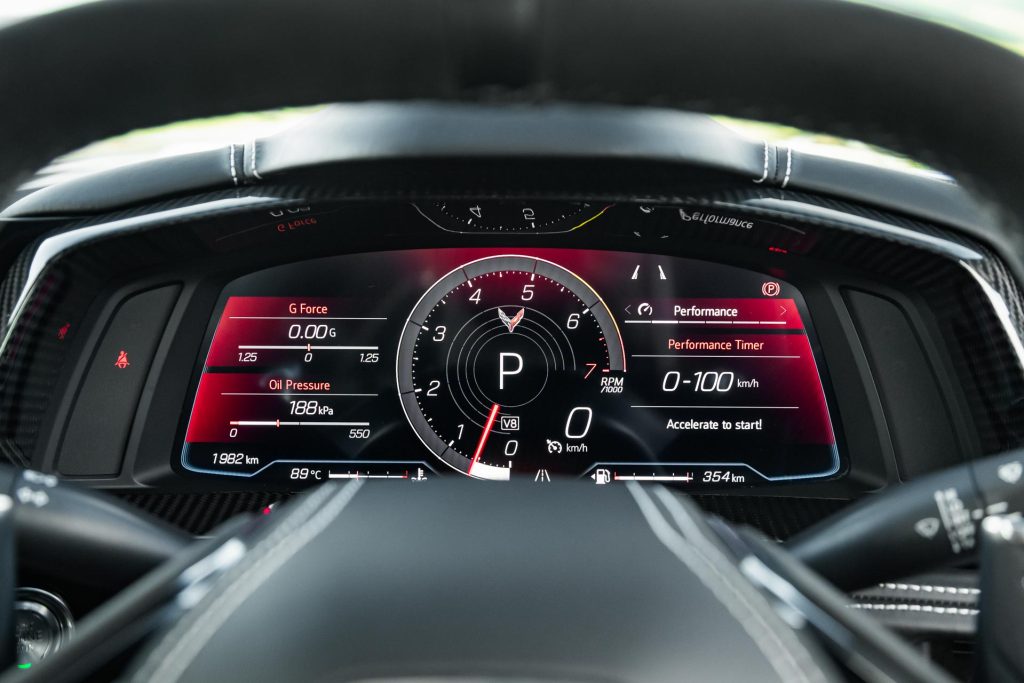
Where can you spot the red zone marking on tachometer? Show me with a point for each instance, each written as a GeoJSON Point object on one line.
{"type": "Point", "coordinates": [483, 437]}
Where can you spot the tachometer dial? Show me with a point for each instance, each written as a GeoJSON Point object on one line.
{"type": "Point", "coordinates": [488, 354]}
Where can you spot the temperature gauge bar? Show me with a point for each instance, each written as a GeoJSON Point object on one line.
{"type": "Point", "coordinates": [417, 475]}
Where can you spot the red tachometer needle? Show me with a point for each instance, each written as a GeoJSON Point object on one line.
{"type": "Point", "coordinates": [483, 437]}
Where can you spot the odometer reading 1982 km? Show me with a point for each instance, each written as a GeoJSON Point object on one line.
{"type": "Point", "coordinates": [488, 357]}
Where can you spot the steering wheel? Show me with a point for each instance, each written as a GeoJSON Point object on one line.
{"type": "Point", "coordinates": [356, 581]}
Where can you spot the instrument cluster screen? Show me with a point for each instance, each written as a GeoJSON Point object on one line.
{"type": "Point", "coordinates": [493, 364]}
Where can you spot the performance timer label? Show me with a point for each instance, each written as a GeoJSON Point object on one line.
{"type": "Point", "coordinates": [731, 376]}
{"type": "Point", "coordinates": [743, 383]}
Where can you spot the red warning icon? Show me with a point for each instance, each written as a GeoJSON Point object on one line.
{"type": "Point", "coordinates": [122, 360]}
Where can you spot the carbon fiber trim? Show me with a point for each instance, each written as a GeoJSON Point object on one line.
{"type": "Point", "coordinates": [198, 513]}
{"type": "Point", "coordinates": [777, 517]}
{"type": "Point", "coordinates": [12, 286]}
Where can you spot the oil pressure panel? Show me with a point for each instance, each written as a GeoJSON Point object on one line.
{"type": "Point", "coordinates": [494, 364]}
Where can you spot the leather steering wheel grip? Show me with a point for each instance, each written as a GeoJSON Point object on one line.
{"type": "Point", "coordinates": [938, 94]}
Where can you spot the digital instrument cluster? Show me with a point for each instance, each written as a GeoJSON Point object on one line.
{"type": "Point", "coordinates": [494, 364]}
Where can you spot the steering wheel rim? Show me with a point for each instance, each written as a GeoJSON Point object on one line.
{"type": "Point", "coordinates": [563, 581]}
{"type": "Point", "coordinates": [876, 76]}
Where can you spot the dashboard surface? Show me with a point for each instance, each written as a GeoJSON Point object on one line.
{"type": "Point", "coordinates": [776, 353]}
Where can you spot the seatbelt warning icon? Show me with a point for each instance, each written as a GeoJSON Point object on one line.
{"type": "Point", "coordinates": [122, 360]}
